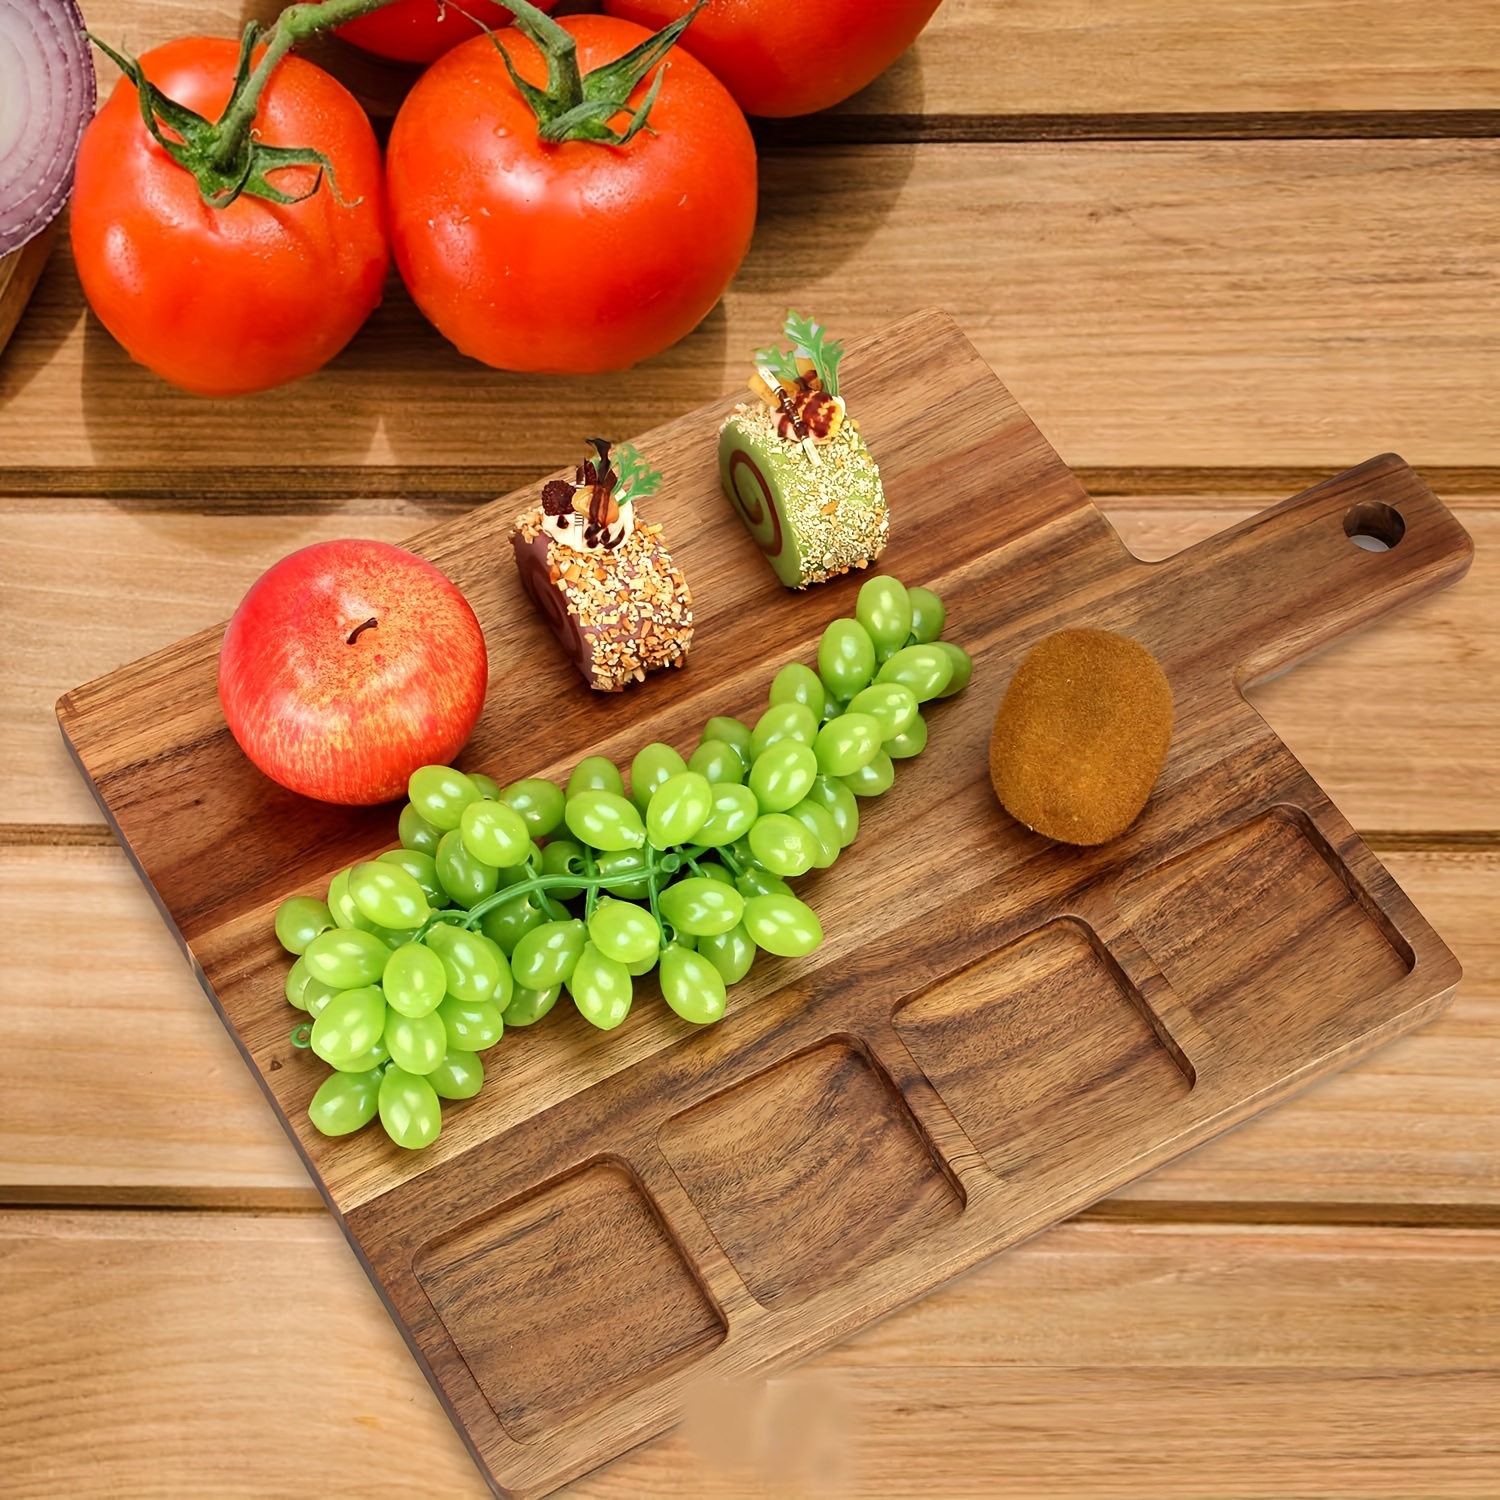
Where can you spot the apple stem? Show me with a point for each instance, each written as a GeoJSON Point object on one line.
{"type": "Point", "coordinates": [359, 630]}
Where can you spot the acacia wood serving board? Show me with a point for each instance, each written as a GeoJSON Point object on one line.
{"type": "Point", "coordinates": [997, 1029]}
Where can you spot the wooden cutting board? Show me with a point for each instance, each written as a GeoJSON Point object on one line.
{"type": "Point", "coordinates": [997, 1030]}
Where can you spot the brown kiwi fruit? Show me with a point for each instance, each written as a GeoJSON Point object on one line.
{"type": "Point", "coordinates": [1081, 736]}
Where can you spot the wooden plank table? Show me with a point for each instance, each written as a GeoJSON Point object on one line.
{"type": "Point", "coordinates": [1218, 252]}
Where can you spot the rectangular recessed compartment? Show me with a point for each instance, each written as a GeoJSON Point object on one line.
{"type": "Point", "coordinates": [810, 1172]}
{"type": "Point", "coordinates": [1044, 1053]}
{"type": "Point", "coordinates": [568, 1298]}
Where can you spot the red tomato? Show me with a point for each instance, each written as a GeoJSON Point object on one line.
{"type": "Point", "coordinates": [224, 301]}
{"type": "Point", "coordinates": [576, 257]}
{"type": "Point", "coordinates": [789, 57]}
{"type": "Point", "coordinates": [420, 31]}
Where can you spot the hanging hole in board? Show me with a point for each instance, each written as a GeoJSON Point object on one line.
{"type": "Point", "coordinates": [1374, 526]}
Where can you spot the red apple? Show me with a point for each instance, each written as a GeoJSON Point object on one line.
{"type": "Point", "coordinates": [348, 665]}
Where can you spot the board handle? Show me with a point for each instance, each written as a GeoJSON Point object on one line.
{"type": "Point", "coordinates": [1294, 578]}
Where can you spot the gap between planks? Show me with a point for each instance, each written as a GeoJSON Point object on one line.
{"type": "Point", "coordinates": [263, 1202]}
{"type": "Point", "coordinates": [825, 130]}
{"type": "Point", "coordinates": [1387, 841]}
{"type": "Point", "coordinates": [434, 491]}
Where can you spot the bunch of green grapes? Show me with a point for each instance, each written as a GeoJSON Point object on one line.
{"type": "Point", "coordinates": [499, 898]}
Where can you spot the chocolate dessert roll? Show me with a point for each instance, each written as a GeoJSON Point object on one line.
{"type": "Point", "coordinates": [602, 580]}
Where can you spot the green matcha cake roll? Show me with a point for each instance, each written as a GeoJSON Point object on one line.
{"type": "Point", "coordinates": [796, 468]}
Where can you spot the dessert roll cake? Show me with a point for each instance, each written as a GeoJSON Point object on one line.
{"type": "Point", "coordinates": [601, 577]}
{"type": "Point", "coordinates": [796, 468]}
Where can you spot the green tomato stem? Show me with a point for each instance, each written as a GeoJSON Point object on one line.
{"type": "Point", "coordinates": [295, 24]}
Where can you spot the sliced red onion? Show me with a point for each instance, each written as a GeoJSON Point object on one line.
{"type": "Point", "coordinates": [47, 94]}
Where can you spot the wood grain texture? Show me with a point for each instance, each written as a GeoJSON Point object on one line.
{"type": "Point", "coordinates": [90, 585]}
{"type": "Point", "coordinates": [1050, 57]}
{"type": "Point", "coordinates": [250, 1356]}
{"type": "Point", "coordinates": [168, 1113]}
{"type": "Point", "coordinates": [1355, 962]}
{"type": "Point", "coordinates": [19, 272]}
{"type": "Point", "coordinates": [1188, 303]}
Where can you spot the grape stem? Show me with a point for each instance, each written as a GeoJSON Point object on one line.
{"type": "Point", "coordinates": [668, 863]}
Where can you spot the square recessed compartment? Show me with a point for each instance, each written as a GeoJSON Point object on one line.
{"type": "Point", "coordinates": [567, 1299]}
{"type": "Point", "coordinates": [1266, 939]}
{"type": "Point", "coordinates": [1043, 1054]}
{"type": "Point", "coordinates": [809, 1172]}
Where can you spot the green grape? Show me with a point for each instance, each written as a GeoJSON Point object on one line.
{"type": "Point", "coordinates": [563, 857]}
{"type": "Point", "coordinates": [627, 933]}
{"type": "Point", "coordinates": [884, 609]}
{"type": "Point", "coordinates": [645, 966]}
{"type": "Point", "coordinates": [874, 779]}
{"type": "Point", "coordinates": [795, 683]}
{"type": "Point", "coordinates": [963, 668]}
{"type": "Point", "coordinates": [546, 956]}
{"type": "Point", "coordinates": [489, 789]}
{"type": "Point", "coordinates": [297, 979]}
{"type": "Point", "coordinates": [733, 816]}
{"type": "Point", "coordinates": [344, 1102]}
{"type": "Point", "coordinates": [414, 980]}
{"type": "Point", "coordinates": [731, 953]}
{"type": "Point", "coordinates": [831, 710]}
{"type": "Point", "coordinates": [316, 995]}
{"type": "Point", "coordinates": [595, 773]}
{"type": "Point", "coordinates": [376, 1057]}
{"type": "Point", "coordinates": [783, 925]}
{"type": "Point", "coordinates": [341, 905]}
{"type": "Point", "coordinates": [756, 880]}
{"type": "Point", "coordinates": [846, 658]}
{"type": "Point", "coordinates": [892, 705]}
{"type": "Point", "coordinates": [601, 989]}
{"type": "Point", "coordinates": [299, 919]}
{"type": "Point", "coordinates": [529, 1006]}
{"type": "Point", "coordinates": [679, 807]}
{"type": "Point", "coordinates": [782, 844]}
{"type": "Point", "coordinates": [783, 721]}
{"type": "Point", "coordinates": [506, 924]}
{"type": "Point", "coordinates": [927, 615]}
{"type": "Point", "coordinates": [833, 795]}
{"type": "Point", "coordinates": [717, 763]}
{"type": "Point", "coordinates": [925, 669]}
{"type": "Point", "coordinates": [846, 744]}
{"type": "Point", "coordinates": [460, 1075]}
{"type": "Point", "coordinates": [466, 879]}
{"type": "Point", "coordinates": [495, 834]}
{"type": "Point", "coordinates": [416, 833]}
{"type": "Point", "coordinates": [782, 773]}
{"type": "Point", "coordinates": [346, 957]}
{"type": "Point", "coordinates": [818, 821]}
{"type": "Point", "coordinates": [416, 1043]}
{"type": "Point", "coordinates": [349, 1025]}
{"type": "Point", "coordinates": [913, 742]}
{"type": "Point", "coordinates": [691, 985]}
{"type": "Point", "coordinates": [621, 862]}
{"type": "Point", "coordinates": [474, 967]}
{"type": "Point", "coordinates": [422, 868]}
{"type": "Point", "coordinates": [711, 869]}
{"type": "Point", "coordinates": [653, 765]}
{"type": "Point", "coordinates": [440, 794]}
{"type": "Point", "coordinates": [732, 733]}
{"type": "Point", "coordinates": [540, 803]}
{"type": "Point", "coordinates": [388, 896]}
{"type": "Point", "coordinates": [409, 1109]}
{"type": "Point", "coordinates": [605, 820]}
{"type": "Point", "coordinates": [700, 906]}
{"type": "Point", "coordinates": [471, 1025]}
